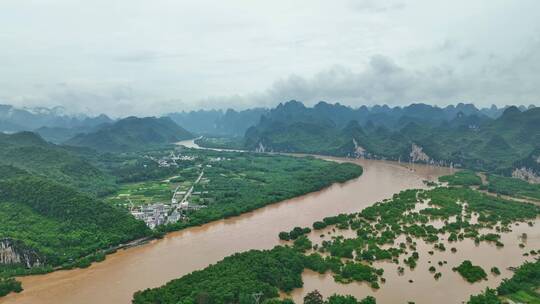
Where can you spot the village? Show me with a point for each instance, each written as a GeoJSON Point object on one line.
{"type": "Point", "coordinates": [160, 213]}
{"type": "Point", "coordinates": [156, 210]}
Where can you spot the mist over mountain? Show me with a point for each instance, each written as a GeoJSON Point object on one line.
{"type": "Point", "coordinates": [56, 126]}
{"type": "Point", "coordinates": [218, 122]}
{"type": "Point", "coordinates": [130, 134]}
{"type": "Point", "coordinates": [380, 115]}
{"type": "Point", "coordinates": [235, 123]}
{"type": "Point", "coordinates": [13, 119]}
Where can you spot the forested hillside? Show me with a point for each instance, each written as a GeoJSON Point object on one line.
{"type": "Point", "coordinates": [49, 214]}
{"type": "Point", "coordinates": [421, 134]}
{"type": "Point", "coordinates": [59, 224]}
{"type": "Point", "coordinates": [131, 134]}
{"type": "Point", "coordinates": [31, 153]}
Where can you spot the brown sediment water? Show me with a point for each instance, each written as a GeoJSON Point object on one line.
{"type": "Point", "coordinates": [424, 289]}
{"type": "Point", "coordinates": [121, 274]}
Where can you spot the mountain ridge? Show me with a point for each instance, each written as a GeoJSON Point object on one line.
{"type": "Point", "coordinates": [131, 133]}
{"type": "Point", "coordinates": [456, 135]}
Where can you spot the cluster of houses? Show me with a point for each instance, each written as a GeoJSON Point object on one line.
{"type": "Point", "coordinates": [157, 214]}
{"type": "Point", "coordinates": [170, 160]}
{"type": "Point", "coordinates": [160, 213]}
{"type": "Point", "coordinates": [153, 215]}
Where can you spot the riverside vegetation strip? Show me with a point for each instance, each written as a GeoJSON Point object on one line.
{"type": "Point", "coordinates": [242, 182]}
{"type": "Point", "coordinates": [66, 226]}
{"type": "Point", "coordinates": [522, 287]}
{"type": "Point", "coordinates": [386, 231]}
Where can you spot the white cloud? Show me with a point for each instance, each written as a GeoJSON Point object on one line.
{"type": "Point", "coordinates": [135, 57]}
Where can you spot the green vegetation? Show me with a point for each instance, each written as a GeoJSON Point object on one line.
{"type": "Point", "coordinates": [28, 152]}
{"type": "Point", "coordinates": [474, 142]}
{"type": "Point", "coordinates": [132, 134]}
{"type": "Point", "coordinates": [293, 234]}
{"type": "Point", "coordinates": [495, 184]}
{"type": "Point", "coordinates": [513, 187]}
{"type": "Point", "coordinates": [470, 272]}
{"type": "Point", "coordinates": [8, 285]}
{"type": "Point", "coordinates": [59, 223]}
{"type": "Point", "coordinates": [462, 178]}
{"type": "Point", "coordinates": [524, 284]}
{"type": "Point", "coordinates": [241, 182]}
{"type": "Point", "coordinates": [243, 274]}
{"type": "Point", "coordinates": [232, 278]}
{"type": "Point", "coordinates": [382, 223]}
{"type": "Point", "coordinates": [489, 296]}
{"type": "Point", "coordinates": [315, 297]}
{"type": "Point", "coordinates": [302, 244]}
{"type": "Point", "coordinates": [319, 225]}
{"type": "Point", "coordinates": [142, 193]}
{"type": "Point", "coordinates": [521, 288]}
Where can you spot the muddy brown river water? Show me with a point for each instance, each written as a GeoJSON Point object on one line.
{"type": "Point", "coordinates": [121, 274]}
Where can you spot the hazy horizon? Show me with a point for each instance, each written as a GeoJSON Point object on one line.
{"type": "Point", "coordinates": [148, 58]}
{"type": "Point", "coordinates": [64, 111]}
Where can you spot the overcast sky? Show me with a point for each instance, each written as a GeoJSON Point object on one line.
{"type": "Point", "coordinates": [154, 56]}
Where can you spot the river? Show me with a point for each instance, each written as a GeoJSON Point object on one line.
{"type": "Point", "coordinates": [121, 274]}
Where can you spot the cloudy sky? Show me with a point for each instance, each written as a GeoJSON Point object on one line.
{"type": "Point", "coordinates": [153, 56]}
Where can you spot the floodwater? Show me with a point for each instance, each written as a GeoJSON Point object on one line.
{"type": "Point", "coordinates": [424, 289]}
{"type": "Point", "coordinates": [121, 274]}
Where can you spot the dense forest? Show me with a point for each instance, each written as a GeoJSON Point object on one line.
{"type": "Point", "coordinates": [236, 278]}
{"type": "Point", "coordinates": [60, 224]}
{"type": "Point", "coordinates": [28, 151]}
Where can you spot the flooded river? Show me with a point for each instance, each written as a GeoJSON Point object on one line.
{"type": "Point", "coordinates": [151, 265]}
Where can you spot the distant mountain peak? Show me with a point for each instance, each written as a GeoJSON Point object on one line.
{"type": "Point", "coordinates": [510, 111]}
{"type": "Point", "coordinates": [25, 138]}
{"type": "Point", "coordinates": [291, 105]}
{"type": "Point", "coordinates": [132, 133]}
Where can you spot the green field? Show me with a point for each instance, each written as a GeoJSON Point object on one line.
{"type": "Point", "coordinates": [143, 193]}
{"type": "Point", "coordinates": [523, 296]}
{"type": "Point", "coordinates": [513, 187]}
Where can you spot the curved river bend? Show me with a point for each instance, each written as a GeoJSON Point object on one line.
{"type": "Point", "coordinates": [121, 274]}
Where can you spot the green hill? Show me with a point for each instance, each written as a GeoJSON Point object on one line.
{"type": "Point", "coordinates": [29, 152]}
{"type": "Point", "coordinates": [132, 134]}
{"type": "Point", "coordinates": [49, 213]}
{"type": "Point", "coordinates": [56, 225]}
